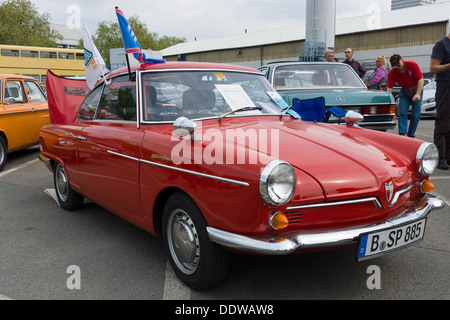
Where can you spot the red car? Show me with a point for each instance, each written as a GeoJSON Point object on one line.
{"type": "Point", "coordinates": [209, 157]}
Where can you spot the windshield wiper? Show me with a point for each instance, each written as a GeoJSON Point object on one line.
{"type": "Point", "coordinates": [239, 110]}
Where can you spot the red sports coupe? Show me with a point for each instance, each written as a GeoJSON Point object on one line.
{"type": "Point", "coordinates": [211, 158]}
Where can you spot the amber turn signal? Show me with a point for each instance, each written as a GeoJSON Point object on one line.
{"type": "Point", "coordinates": [427, 186]}
{"type": "Point", "coordinates": [278, 221]}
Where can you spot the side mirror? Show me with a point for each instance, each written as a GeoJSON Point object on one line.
{"type": "Point", "coordinates": [352, 118]}
{"type": "Point", "coordinates": [183, 126]}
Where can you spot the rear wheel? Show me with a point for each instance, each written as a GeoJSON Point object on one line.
{"type": "Point", "coordinates": [3, 153]}
{"type": "Point", "coordinates": [197, 261]}
{"type": "Point", "coordinates": [67, 198]}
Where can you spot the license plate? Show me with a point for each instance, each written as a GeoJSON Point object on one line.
{"type": "Point", "coordinates": [378, 243]}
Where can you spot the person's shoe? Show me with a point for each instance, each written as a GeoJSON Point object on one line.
{"type": "Point", "coordinates": [443, 164]}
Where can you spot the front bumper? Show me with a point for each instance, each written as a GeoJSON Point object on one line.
{"type": "Point", "coordinates": [381, 125]}
{"type": "Point", "coordinates": [302, 240]}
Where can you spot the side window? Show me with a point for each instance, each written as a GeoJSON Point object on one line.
{"type": "Point", "coordinates": [34, 92]}
{"type": "Point", "coordinates": [14, 93]}
{"type": "Point", "coordinates": [90, 104]}
{"type": "Point", "coordinates": [118, 101]}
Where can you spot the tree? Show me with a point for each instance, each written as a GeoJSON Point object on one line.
{"type": "Point", "coordinates": [109, 36]}
{"type": "Point", "coordinates": [21, 24]}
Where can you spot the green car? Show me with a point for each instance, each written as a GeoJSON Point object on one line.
{"type": "Point", "coordinates": [338, 84]}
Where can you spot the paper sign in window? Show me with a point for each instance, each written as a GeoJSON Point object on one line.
{"type": "Point", "coordinates": [235, 96]}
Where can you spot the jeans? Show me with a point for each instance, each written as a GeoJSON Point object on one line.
{"type": "Point", "coordinates": [442, 124]}
{"type": "Point", "coordinates": [403, 105]}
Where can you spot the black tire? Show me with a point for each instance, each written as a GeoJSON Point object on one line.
{"type": "Point", "coordinates": [197, 261]}
{"type": "Point", "coordinates": [67, 198]}
{"type": "Point", "coordinates": [3, 153]}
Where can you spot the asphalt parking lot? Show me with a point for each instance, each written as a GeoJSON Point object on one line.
{"type": "Point", "coordinates": [48, 253]}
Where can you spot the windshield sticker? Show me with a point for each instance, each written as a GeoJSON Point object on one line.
{"type": "Point", "coordinates": [220, 76]}
{"type": "Point", "coordinates": [235, 96]}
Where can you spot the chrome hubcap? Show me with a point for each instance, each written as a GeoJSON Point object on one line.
{"type": "Point", "coordinates": [61, 183]}
{"type": "Point", "coordinates": [183, 241]}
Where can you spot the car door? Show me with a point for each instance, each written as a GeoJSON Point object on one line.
{"type": "Point", "coordinates": [19, 118]}
{"type": "Point", "coordinates": [38, 103]}
{"type": "Point", "coordinates": [109, 150]}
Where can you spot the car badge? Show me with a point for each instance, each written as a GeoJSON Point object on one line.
{"type": "Point", "coordinates": [389, 187]}
{"type": "Point", "coordinates": [340, 99]}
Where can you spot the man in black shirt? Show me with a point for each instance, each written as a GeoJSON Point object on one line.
{"type": "Point", "coordinates": [353, 63]}
{"type": "Point", "coordinates": [440, 65]}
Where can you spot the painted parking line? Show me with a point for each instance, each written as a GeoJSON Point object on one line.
{"type": "Point", "coordinates": [26, 164]}
{"type": "Point", "coordinates": [440, 178]}
{"type": "Point", "coordinates": [2, 297]}
{"type": "Point", "coordinates": [174, 289]}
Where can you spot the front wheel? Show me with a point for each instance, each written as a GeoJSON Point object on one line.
{"type": "Point", "coordinates": [67, 198]}
{"type": "Point", "coordinates": [197, 261]}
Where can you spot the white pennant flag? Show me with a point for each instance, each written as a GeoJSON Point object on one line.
{"type": "Point", "coordinates": [93, 61]}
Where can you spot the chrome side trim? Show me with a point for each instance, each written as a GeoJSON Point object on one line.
{"type": "Point", "coordinates": [298, 240]}
{"type": "Point", "coordinates": [338, 203]}
{"type": "Point", "coordinates": [24, 111]}
{"type": "Point", "coordinates": [123, 155]}
{"type": "Point", "coordinates": [245, 184]}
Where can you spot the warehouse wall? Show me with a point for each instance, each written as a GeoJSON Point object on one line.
{"type": "Point", "coordinates": [412, 43]}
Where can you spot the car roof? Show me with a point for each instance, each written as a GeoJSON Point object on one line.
{"type": "Point", "coordinates": [302, 62]}
{"type": "Point", "coordinates": [15, 76]}
{"type": "Point", "coordinates": [173, 65]}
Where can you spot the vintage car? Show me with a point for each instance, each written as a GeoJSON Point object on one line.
{"type": "Point", "coordinates": [209, 157]}
{"type": "Point", "coordinates": [338, 84]}
{"type": "Point", "coordinates": [23, 111]}
{"type": "Point", "coordinates": [428, 101]}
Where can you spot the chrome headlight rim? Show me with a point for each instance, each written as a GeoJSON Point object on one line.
{"type": "Point", "coordinates": [264, 182]}
{"type": "Point", "coordinates": [427, 158]}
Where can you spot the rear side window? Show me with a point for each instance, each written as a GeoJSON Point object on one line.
{"type": "Point", "coordinates": [118, 102]}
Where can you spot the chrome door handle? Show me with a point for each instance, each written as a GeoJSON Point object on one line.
{"type": "Point", "coordinates": [80, 138]}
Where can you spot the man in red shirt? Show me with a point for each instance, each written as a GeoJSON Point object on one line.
{"type": "Point", "coordinates": [409, 76]}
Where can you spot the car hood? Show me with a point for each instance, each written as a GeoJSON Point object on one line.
{"type": "Point", "coordinates": [340, 97]}
{"type": "Point", "coordinates": [343, 164]}
{"type": "Point", "coordinates": [64, 97]}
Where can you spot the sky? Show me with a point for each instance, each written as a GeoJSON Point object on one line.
{"type": "Point", "coordinates": [199, 19]}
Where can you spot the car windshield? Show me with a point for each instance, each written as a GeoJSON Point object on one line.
{"type": "Point", "coordinates": [205, 94]}
{"type": "Point", "coordinates": [311, 75]}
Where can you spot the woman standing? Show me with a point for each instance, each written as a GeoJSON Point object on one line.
{"type": "Point", "coordinates": [379, 78]}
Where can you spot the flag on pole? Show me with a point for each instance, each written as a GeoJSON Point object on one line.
{"type": "Point", "coordinates": [131, 43]}
{"type": "Point", "coordinates": [94, 65]}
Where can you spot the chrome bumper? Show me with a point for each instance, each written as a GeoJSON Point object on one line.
{"type": "Point", "coordinates": [296, 241]}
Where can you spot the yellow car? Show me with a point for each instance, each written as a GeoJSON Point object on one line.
{"type": "Point", "coordinates": [23, 111]}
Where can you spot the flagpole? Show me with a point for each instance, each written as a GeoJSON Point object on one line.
{"type": "Point", "coordinates": [132, 78]}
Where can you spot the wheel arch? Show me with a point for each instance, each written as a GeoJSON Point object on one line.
{"type": "Point", "coordinates": [5, 138]}
{"type": "Point", "coordinates": [158, 207]}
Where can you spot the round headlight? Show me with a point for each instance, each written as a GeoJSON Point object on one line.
{"type": "Point", "coordinates": [277, 182]}
{"type": "Point", "coordinates": [428, 157]}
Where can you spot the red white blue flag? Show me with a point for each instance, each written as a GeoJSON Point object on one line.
{"type": "Point", "coordinates": [130, 42]}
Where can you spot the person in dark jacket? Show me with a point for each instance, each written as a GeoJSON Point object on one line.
{"type": "Point", "coordinates": [353, 63]}
{"type": "Point", "coordinates": [440, 65]}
